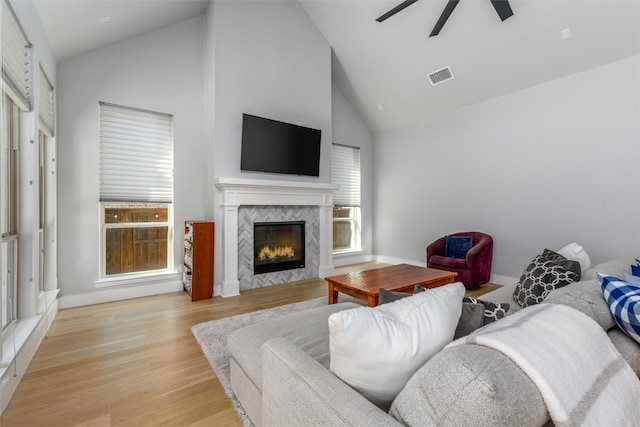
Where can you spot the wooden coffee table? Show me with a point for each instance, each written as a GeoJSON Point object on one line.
{"type": "Point", "coordinates": [365, 285]}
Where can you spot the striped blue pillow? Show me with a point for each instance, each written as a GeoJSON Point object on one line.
{"type": "Point", "coordinates": [624, 303]}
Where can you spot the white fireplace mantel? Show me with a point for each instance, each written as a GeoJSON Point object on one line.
{"type": "Point", "coordinates": [238, 192]}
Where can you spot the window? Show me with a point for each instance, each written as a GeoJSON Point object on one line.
{"type": "Point", "coordinates": [136, 191]}
{"type": "Point", "coordinates": [42, 139]}
{"type": "Point", "coordinates": [45, 105]}
{"type": "Point", "coordinates": [16, 59]}
{"type": "Point", "coordinates": [346, 210]}
{"type": "Point", "coordinates": [9, 161]}
{"type": "Point", "coordinates": [47, 122]}
{"type": "Point", "coordinates": [16, 97]}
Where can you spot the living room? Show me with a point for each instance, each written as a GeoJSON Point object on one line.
{"type": "Point", "coordinates": [537, 165]}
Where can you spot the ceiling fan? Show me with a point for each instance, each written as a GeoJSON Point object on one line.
{"type": "Point", "coordinates": [501, 6]}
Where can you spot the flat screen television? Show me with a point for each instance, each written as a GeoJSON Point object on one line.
{"type": "Point", "coordinates": [278, 147]}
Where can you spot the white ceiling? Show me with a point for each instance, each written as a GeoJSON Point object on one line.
{"type": "Point", "coordinates": [385, 65]}
{"type": "Point", "coordinates": [72, 26]}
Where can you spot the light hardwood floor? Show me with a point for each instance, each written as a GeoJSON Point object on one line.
{"type": "Point", "coordinates": [136, 362]}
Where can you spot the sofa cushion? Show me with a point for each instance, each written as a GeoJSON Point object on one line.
{"type": "Point", "coordinates": [628, 348]}
{"type": "Point", "coordinates": [376, 350]}
{"type": "Point", "coordinates": [470, 385]}
{"type": "Point", "coordinates": [457, 246]}
{"type": "Point", "coordinates": [585, 296]}
{"type": "Point", "coordinates": [504, 294]}
{"type": "Point", "coordinates": [442, 261]}
{"type": "Point", "coordinates": [308, 330]}
{"type": "Point", "coordinates": [615, 267]}
{"type": "Point", "coordinates": [624, 303]}
{"type": "Point", "coordinates": [541, 277]}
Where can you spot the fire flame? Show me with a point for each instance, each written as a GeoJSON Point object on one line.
{"type": "Point", "coordinates": [277, 251]}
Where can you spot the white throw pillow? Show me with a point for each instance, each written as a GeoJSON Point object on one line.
{"type": "Point", "coordinates": [377, 350]}
{"type": "Point", "coordinates": [575, 252]}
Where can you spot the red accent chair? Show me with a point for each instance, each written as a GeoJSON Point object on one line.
{"type": "Point", "coordinates": [473, 271]}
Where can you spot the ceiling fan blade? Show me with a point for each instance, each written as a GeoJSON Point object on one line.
{"type": "Point", "coordinates": [396, 9]}
{"type": "Point", "coordinates": [448, 9]}
{"type": "Point", "coordinates": [503, 8]}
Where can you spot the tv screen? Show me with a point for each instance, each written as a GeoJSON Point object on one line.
{"type": "Point", "coordinates": [277, 147]}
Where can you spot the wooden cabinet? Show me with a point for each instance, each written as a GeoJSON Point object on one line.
{"type": "Point", "coordinates": [197, 276]}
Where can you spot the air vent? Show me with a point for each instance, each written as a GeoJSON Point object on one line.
{"type": "Point", "coordinates": [440, 76]}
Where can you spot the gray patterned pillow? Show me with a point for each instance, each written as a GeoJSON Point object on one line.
{"type": "Point", "coordinates": [492, 310]}
{"type": "Point", "coordinates": [558, 259]}
{"type": "Point", "coordinates": [539, 279]}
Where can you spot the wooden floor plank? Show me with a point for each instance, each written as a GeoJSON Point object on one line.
{"type": "Point", "coordinates": [136, 362]}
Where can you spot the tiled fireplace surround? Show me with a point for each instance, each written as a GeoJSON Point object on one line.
{"type": "Point", "coordinates": [245, 201]}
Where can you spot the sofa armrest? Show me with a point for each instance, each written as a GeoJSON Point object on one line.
{"type": "Point", "coordinates": [298, 391]}
{"type": "Point", "coordinates": [481, 252]}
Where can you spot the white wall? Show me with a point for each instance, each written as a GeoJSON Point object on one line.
{"type": "Point", "coordinates": [271, 61]}
{"type": "Point", "coordinates": [160, 71]}
{"type": "Point", "coordinates": [350, 129]}
{"type": "Point", "coordinates": [538, 168]}
{"type": "Point", "coordinates": [208, 99]}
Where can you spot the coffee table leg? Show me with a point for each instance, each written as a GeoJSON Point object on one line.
{"type": "Point", "coordinates": [333, 294]}
{"type": "Point", "coordinates": [372, 301]}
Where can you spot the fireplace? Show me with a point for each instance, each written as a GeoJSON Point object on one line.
{"type": "Point", "coordinates": [278, 246]}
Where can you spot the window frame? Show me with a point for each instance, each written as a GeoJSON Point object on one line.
{"type": "Point", "coordinates": [9, 219]}
{"type": "Point", "coordinates": [42, 198]}
{"type": "Point", "coordinates": [150, 135]}
{"type": "Point", "coordinates": [354, 220]}
{"type": "Point", "coordinates": [353, 202]}
{"type": "Point", "coordinates": [104, 226]}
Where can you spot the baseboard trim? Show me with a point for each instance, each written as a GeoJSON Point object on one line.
{"type": "Point", "coordinates": [391, 260]}
{"type": "Point", "coordinates": [119, 294]}
{"type": "Point", "coordinates": [340, 261]}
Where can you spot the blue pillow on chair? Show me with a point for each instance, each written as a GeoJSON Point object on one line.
{"type": "Point", "coordinates": [457, 246]}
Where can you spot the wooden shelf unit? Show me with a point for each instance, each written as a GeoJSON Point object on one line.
{"type": "Point", "coordinates": [197, 277]}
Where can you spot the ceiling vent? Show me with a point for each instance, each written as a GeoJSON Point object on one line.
{"type": "Point", "coordinates": [440, 76]}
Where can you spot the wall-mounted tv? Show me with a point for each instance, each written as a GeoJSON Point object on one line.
{"type": "Point", "coordinates": [278, 147]}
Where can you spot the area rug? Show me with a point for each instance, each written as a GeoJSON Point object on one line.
{"type": "Point", "coordinates": [212, 337]}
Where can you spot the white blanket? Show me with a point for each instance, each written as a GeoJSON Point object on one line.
{"type": "Point", "coordinates": [583, 379]}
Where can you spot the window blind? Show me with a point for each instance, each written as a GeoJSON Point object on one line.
{"type": "Point", "coordinates": [136, 155]}
{"type": "Point", "coordinates": [346, 173]}
{"type": "Point", "coordinates": [16, 59]}
{"type": "Point", "coordinates": [45, 104]}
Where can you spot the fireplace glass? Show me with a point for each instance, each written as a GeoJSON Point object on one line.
{"type": "Point", "coordinates": [278, 246]}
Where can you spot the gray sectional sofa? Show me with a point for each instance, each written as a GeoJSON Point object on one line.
{"type": "Point", "coordinates": [280, 374]}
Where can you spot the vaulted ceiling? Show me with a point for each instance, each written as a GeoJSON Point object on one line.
{"type": "Point", "coordinates": [383, 67]}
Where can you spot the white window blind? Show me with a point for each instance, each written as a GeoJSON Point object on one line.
{"type": "Point", "coordinates": [16, 59]}
{"type": "Point", "coordinates": [346, 173]}
{"type": "Point", "coordinates": [45, 104]}
{"type": "Point", "coordinates": [136, 155]}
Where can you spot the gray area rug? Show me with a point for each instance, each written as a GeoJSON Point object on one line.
{"type": "Point", "coordinates": [212, 337]}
